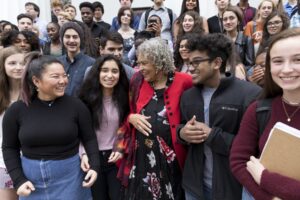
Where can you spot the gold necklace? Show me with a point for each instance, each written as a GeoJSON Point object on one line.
{"type": "Point", "coordinates": [289, 117]}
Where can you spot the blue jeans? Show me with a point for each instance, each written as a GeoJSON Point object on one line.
{"type": "Point", "coordinates": [246, 195]}
{"type": "Point", "coordinates": [55, 179]}
{"type": "Point", "coordinates": [207, 192]}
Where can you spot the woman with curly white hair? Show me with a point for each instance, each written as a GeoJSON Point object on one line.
{"type": "Point", "coordinates": [152, 163]}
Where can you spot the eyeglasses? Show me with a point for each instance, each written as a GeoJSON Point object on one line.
{"type": "Point", "coordinates": [195, 63]}
{"type": "Point", "coordinates": [275, 23]}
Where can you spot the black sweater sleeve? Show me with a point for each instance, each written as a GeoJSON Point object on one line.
{"type": "Point", "coordinates": [47, 132]}
{"type": "Point", "coordinates": [88, 136]}
{"type": "Point", "coordinates": [11, 145]}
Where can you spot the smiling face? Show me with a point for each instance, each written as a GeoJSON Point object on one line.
{"type": "Point", "coordinates": [274, 25]}
{"type": "Point", "coordinates": [203, 70]}
{"type": "Point", "coordinates": [109, 76]}
{"type": "Point", "coordinates": [191, 4]}
{"type": "Point", "coordinates": [147, 68]}
{"type": "Point", "coordinates": [14, 66]}
{"type": "Point", "coordinates": [230, 21]}
{"type": "Point", "coordinates": [188, 23]}
{"type": "Point", "coordinates": [285, 64]}
{"type": "Point", "coordinates": [52, 31]}
{"type": "Point", "coordinates": [71, 41]}
{"type": "Point", "coordinates": [52, 82]}
{"type": "Point", "coordinates": [183, 51]}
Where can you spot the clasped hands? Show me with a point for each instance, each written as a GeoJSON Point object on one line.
{"type": "Point", "coordinates": [194, 131]}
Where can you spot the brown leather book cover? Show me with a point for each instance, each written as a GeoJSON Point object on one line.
{"type": "Point", "coordinates": [281, 153]}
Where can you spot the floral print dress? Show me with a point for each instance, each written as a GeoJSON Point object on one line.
{"type": "Point", "coordinates": [155, 174]}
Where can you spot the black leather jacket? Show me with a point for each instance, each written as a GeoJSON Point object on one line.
{"type": "Point", "coordinates": [245, 49]}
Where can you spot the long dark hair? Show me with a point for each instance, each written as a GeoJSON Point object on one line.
{"type": "Point", "coordinates": [184, 9]}
{"type": "Point", "coordinates": [178, 61]}
{"type": "Point", "coordinates": [91, 92]}
{"type": "Point", "coordinates": [271, 89]}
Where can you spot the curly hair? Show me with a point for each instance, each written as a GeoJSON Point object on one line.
{"type": "Point", "coordinates": [158, 53]}
{"type": "Point", "coordinates": [215, 45]}
{"type": "Point", "coordinates": [9, 38]}
{"type": "Point", "coordinates": [178, 61]}
{"type": "Point", "coordinates": [198, 23]}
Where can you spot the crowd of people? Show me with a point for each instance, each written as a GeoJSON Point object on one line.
{"type": "Point", "coordinates": [153, 106]}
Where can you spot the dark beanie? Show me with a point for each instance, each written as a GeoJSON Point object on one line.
{"type": "Point", "coordinates": [76, 27]}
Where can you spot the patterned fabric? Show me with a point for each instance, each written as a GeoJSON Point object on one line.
{"type": "Point", "coordinates": [154, 174]}
{"type": "Point", "coordinates": [295, 21]}
{"type": "Point", "coordinates": [5, 180]}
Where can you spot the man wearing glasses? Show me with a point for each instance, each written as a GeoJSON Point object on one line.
{"type": "Point", "coordinates": [211, 114]}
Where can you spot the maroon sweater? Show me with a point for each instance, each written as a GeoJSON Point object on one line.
{"type": "Point", "coordinates": [245, 145]}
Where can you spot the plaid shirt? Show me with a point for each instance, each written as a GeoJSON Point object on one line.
{"type": "Point", "coordinates": [249, 13]}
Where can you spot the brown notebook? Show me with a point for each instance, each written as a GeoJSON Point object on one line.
{"type": "Point", "coordinates": [281, 153]}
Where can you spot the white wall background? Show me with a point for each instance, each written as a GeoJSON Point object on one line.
{"type": "Point", "coordinates": [9, 9]}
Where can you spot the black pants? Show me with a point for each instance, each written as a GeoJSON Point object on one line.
{"type": "Point", "coordinates": [107, 186]}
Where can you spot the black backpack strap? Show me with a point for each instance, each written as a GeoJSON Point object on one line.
{"type": "Point", "coordinates": [263, 112]}
{"type": "Point", "coordinates": [295, 10]}
{"type": "Point", "coordinates": [170, 12]}
{"type": "Point", "coordinates": [146, 17]}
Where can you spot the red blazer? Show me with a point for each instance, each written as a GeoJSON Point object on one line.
{"type": "Point", "coordinates": [172, 95]}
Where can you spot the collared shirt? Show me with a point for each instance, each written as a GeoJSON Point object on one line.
{"type": "Point", "coordinates": [249, 13]}
{"type": "Point", "coordinates": [115, 26]}
{"type": "Point", "coordinates": [295, 21]}
{"type": "Point", "coordinates": [162, 12]}
{"type": "Point", "coordinates": [76, 71]}
{"type": "Point", "coordinates": [42, 25]}
{"type": "Point", "coordinates": [288, 8]}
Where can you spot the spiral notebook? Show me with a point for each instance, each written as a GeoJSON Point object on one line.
{"type": "Point", "coordinates": [281, 153]}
